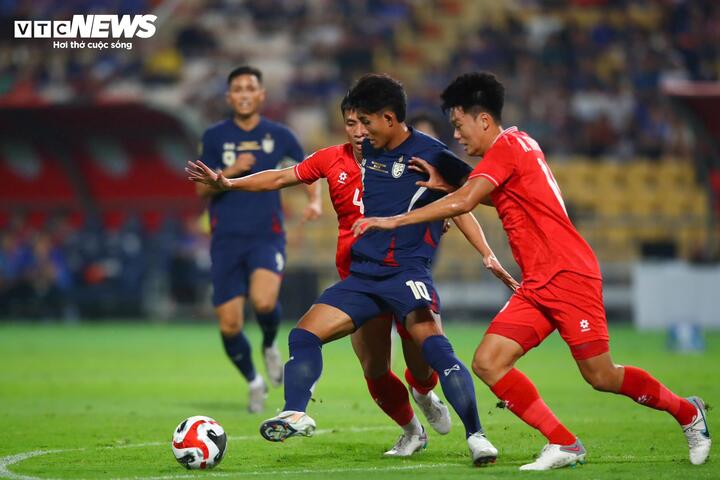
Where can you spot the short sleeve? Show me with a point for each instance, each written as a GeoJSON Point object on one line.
{"type": "Point", "coordinates": [452, 168]}
{"type": "Point", "coordinates": [497, 165]}
{"type": "Point", "coordinates": [209, 153]}
{"type": "Point", "coordinates": [293, 152]}
{"type": "Point", "coordinates": [313, 167]}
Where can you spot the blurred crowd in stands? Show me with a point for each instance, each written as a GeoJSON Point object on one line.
{"type": "Point", "coordinates": [583, 76]}
{"type": "Point", "coordinates": [66, 267]}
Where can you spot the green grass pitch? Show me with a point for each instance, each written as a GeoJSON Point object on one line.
{"type": "Point", "coordinates": [101, 401]}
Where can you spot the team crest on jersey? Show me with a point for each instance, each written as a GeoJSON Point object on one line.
{"type": "Point", "coordinates": [268, 144]}
{"type": "Point", "coordinates": [398, 168]}
{"type": "Point", "coordinates": [229, 157]}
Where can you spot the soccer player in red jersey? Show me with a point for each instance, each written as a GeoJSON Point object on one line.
{"type": "Point", "coordinates": [340, 166]}
{"type": "Point", "coordinates": [561, 286]}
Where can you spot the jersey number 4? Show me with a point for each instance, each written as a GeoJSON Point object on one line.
{"type": "Point", "coordinates": [358, 201]}
{"type": "Point", "coordinates": [419, 290]}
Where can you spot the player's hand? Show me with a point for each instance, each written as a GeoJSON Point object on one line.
{"type": "Point", "coordinates": [312, 212]}
{"type": "Point", "coordinates": [435, 181]}
{"type": "Point", "coordinates": [198, 172]}
{"type": "Point", "coordinates": [491, 263]}
{"type": "Point", "coordinates": [243, 164]}
{"type": "Point", "coordinates": [446, 226]}
{"type": "Point", "coordinates": [364, 225]}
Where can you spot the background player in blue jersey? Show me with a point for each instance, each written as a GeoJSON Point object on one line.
{"type": "Point", "coordinates": [248, 239]}
{"type": "Point", "coordinates": [390, 271]}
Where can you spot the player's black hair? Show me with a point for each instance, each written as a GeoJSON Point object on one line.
{"type": "Point", "coordinates": [244, 70]}
{"type": "Point", "coordinates": [474, 93]}
{"type": "Point", "coordinates": [345, 105]}
{"type": "Point", "coordinates": [374, 92]}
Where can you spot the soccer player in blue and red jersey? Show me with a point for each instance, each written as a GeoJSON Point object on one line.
{"type": "Point", "coordinates": [390, 271]}
{"type": "Point", "coordinates": [340, 165]}
{"type": "Point", "coordinates": [248, 240]}
{"type": "Point", "coordinates": [562, 283]}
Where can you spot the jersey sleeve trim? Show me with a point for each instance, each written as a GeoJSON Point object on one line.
{"type": "Point", "coordinates": [297, 173]}
{"type": "Point", "coordinates": [489, 177]}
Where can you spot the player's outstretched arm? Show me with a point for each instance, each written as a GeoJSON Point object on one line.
{"type": "Point", "coordinates": [264, 181]}
{"type": "Point", "coordinates": [470, 227]}
{"type": "Point", "coordinates": [457, 203]}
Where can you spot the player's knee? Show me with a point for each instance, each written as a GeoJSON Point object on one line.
{"type": "Point", "coordinates": [230, 329]}
{"type": "Point", "coordinates": [264, 305]}
{"type": "Point", "coordinates": [484, 365]}
{"type": "Point", "coordinates": [231, 325]}
{"type": "Point", "coordinates": [602, 380]}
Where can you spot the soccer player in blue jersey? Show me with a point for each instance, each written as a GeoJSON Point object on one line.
{"type": "Point", "coordinates": [390, 271]}
{"type": "Point", "coordinates": [248, 240]}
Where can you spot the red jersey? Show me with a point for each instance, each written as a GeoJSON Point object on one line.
{"type": "Point", "coordinates": [337, 164]}
{"type": "Point", "coordinates": [528, 200]}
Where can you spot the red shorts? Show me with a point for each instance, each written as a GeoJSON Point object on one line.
{"type": "Point", "coordinates": [342, 263]}
{"type": "Point", "coordinates": [570, 302]}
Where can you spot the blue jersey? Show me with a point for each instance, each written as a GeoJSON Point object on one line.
{"type": "Point", "coordinates": [248, 213]}
{"type": "Point", "coordinates": [389, 189]}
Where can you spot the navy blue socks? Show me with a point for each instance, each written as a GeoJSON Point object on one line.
{"type": "Point", "coordinates": [302, 369]}
{"type": "Point", "coordinates": [455, 379]}
{"type": "Point", "coordinates": [269, 324]}
{"type": "Point", "coordinates": [238, 349]}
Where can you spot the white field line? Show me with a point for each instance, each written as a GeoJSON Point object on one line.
{"type": "Point", "coordinates": [7, 461]}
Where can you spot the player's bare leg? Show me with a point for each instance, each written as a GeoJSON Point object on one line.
{"type": "Point", "coordinates": [321, 324]}
{"type": "Point", "coordinates": [422, 379]}
{"type": "Point", "coordinates": [494, 363]}
{"type": "Point", "coordinates": [425, 329]}
{"type": "Point", "coordinates": [237, 347]}
{"type": "Point", "coordinates": [372, 344]}
{"type": "Point", "coordinates": [606, 376]}
{"type": "Point", "coordinates": [264, 291]}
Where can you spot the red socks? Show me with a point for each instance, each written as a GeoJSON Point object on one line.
{"type": "Point", "coordinates": [390, 394]}
{"type": "Point", "coordinates": [422, 387]}
{"type": "Point", "coordinates": [523, 399]}
{"type": "Point", "coordinates": [646, 390]}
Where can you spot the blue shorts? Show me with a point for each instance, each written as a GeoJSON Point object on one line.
{"type": "Point", "coordinates": [234, 258]}
{"type": "Point", "coordinates": [364, 297]}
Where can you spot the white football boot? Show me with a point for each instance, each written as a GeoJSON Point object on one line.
{"type": "Point", "coordinates": [697, 433]}
{"type": "Point", "coordinates": [273, 365]}
{"type": "Point", "coordinates": [435, 411]}
{"type": "Point", "coordinates": [557, 456]}
{"type": "Point", "coordinates": [257, 393]}
{"type": "Point", "coordinates": [481, 450]}
{"type": "Point", "coordinates": [408, 444]}
{"type": "Point", "coordinates": [287, 424]}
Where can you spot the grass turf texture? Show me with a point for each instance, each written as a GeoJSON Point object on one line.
{"type": "Point", "coordinates": [109, 396]}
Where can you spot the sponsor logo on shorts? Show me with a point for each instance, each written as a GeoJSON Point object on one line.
{"type": "Point", "coordinates": [584, 326]}
{"type": "Point", "coordinates": [454, 368]}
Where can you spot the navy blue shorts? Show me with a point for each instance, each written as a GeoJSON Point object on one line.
{"type": "Point", "coordinates": [364, 297]}
{"type": "Point", "coordinates": [234, 258]}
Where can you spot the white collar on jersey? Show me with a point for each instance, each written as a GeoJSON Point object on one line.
{"type": "Point", "coordinates": [507, 130]}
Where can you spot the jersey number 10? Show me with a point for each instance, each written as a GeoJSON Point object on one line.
{"type": "Point", "coordinates": [419, 290]}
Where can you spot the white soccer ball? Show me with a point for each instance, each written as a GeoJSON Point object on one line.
{"type": "Point", "coordinates": [199, 442]}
